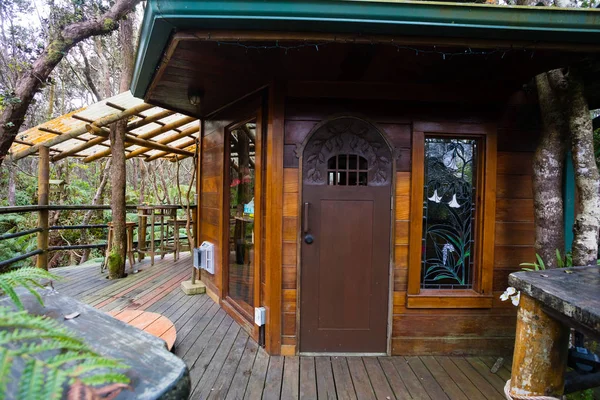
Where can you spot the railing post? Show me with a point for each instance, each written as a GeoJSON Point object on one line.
{"type": "Point", "coordinates": [43, 192]}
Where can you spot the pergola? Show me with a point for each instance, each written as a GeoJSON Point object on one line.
{"type": "Point", "coordinates": [152, 132]}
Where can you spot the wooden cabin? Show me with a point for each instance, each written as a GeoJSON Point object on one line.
{"type": "Point", "coordinates": [365, 167]}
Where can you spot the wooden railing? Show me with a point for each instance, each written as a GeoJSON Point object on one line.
{"type": "Point", "coordinates": [43, 229]}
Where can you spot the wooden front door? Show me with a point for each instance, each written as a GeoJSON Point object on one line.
{"type": "Point", "coordinates": [345, 233]}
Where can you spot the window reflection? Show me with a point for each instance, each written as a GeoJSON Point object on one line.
{"type": "Point", "coordinates": [242, 145]}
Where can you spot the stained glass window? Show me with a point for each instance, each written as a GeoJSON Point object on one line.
{"type": "Point", "coordinates": [449, 213]}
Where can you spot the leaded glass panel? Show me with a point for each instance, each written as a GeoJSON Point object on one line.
{"type": "Point", "coordinates": [449, 213]}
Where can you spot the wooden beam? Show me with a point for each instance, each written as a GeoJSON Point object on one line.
{"type": "Point", "coordinates": [109, 119]}
{"type": "Point", "coordinates": [149, 135]}
{"type": "Point", "coordinates": [164, 153]}
{"type": "Point", "coordinates": [282, 37]}
{"type": "Point", "coordinates": [168, 139]}
{"type": "Point", "coordinates": [132, 140]}
{"type": "Point", "coordinates": [43, 193]}
{"type": "Point", "coordinates": [99, 140]}
{"type": "Point", "coordinates": [274, 217]}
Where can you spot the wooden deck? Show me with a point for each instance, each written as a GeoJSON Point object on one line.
{"type": "Point", "coordinates": [226, 364]}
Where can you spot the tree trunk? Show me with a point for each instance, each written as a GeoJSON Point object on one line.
{"type": "Point", "coordinates": [32, 80]}
{"type": "Point", "coordinates": [548, 165]}
{"type": "Point", "coordinates": [12, 186]}
{"type": "Point", "coordinates": [587, 221]}
{"type": "Point", "coordinates": [116, 258]}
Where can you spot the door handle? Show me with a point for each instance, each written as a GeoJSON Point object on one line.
{"type": "Point", "coordinates": [305, 218]}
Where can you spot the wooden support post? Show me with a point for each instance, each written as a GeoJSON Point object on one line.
{"type": "Point", "coordinates": [540, 355]}
{"type": "Point", "coordinates": [43, 191]}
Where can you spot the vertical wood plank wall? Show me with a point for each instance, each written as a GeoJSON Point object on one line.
{"type": "Point", "coordinates": [211, 197]}
{"type": "Point", "coordinates": [414, 331]}
{"type": "Point", "coordinates": [421, 331]}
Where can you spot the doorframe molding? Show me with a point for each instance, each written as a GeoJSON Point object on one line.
{"type": "Point", "coordinates": [300, 155]}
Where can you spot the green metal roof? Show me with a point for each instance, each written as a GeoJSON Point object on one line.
{"type": "Point", "coordinates": [480, 21]}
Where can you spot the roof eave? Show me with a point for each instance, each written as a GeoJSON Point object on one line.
{"type": "Point", "coordinates": [361, 17]}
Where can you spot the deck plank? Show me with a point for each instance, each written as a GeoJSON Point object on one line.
{"type": "Point", "coordinates": [344, 387]}
{"type": "Point", "coordinates": [461, 380]}
{"type": "Point", "coordinates": [378, 379]}
{"type": "Point", "coordinates": [243, 371]}
{"type": "Point", "coordinates": [434, 390]}
{"type": "Point", "coordinates": [203, 363]}
{"type": "Point", "coordinates": [445, 381]}
{"type": "Point", "coordinates": [325, 382]}
{"type": "Point", "coordinates": [225, 363]}
{"type": "Point", "coordinates": [308, 378]}
{"type": "Point", "coordinates": [413, 384]}
{"type": "Point", "coordinates": [290, 388]}
{"type": "Point", "coordinates": [484, 371]}
{"type": "Point", "coordinates": [274, 378]}
{"type": "Point", "coordinates": [256, 384]}
{"type": "Point", "coordinates": [482, 384]}
{"type": "Point", "coordinates": [394, 379]}
{"type": "Point", "coordinates": [360, 378]}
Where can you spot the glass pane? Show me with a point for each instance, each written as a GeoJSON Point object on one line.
{"type": "Point", "coordinates": [241, 217]}
{"type": "Point", "coordinates": [362, 178]}
{"type": "Point", "coordinates": [342, 161]}
{"type": "Point", "coordinates": [352, 178]}
{"type": "Point", "coordinates": [331, 178]}
{"type": "Point", "coordinates": [449, 213]}
{"type": "Point", "coordinates": [331, 162]}
{"type": "Point", "coordinates": [352, 161]}
{"type": "Point", "coordinates": [342, 178]}
{"type": "Point", "coordinates": [362, 163]}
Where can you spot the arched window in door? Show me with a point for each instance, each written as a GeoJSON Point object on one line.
{"type": "Point", "coordinates": [347, 170]}
{"type": "Point", "coordinates": [347, 151]}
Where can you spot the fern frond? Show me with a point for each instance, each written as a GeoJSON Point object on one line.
{"type": "Point", "coordinates": [20, 335]}
{"type": "Point", "coordinates": [32, 379]}
{"type": "Point", "coordinates": [94, 364]}
{"type": "Point", "coordinates": [103, 379]}
{"type": "Point", "coordinates": [26, 277]}
{"type": "Point", "coordinates": [9, 290]}
{"type": "Point", "coordinates": [53, 387]}
{"type": "Point", "coordinates": [50, 345]}
{"type": "Point", "coordinates": [5, 365]}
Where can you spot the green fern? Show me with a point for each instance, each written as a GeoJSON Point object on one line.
{"type": "Point", "coordinates": [28, 278]}
{"type": "Point", "coordinates": [52, 356]}
{"type": "Point", "coordinates": [45, 355]}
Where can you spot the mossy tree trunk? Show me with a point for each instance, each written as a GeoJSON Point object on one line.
{"type": "Point", "coordinates": [116, 258]}
{"type": "Point", "coordinates": [587, 221]}
{"type": "Point", "coordinates": [30, 82]}
{"type": "Point", "coordinates": [548, 167]}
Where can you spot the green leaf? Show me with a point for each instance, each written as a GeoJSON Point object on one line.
{"type": "Point", "coordinates": [540, 263]}
{"type": "Point", "coordinates": [32, 379]}
{"type": "Point", "coordinates": [5, 365]}
{"type": "Point", "coordinates": [103, 379]}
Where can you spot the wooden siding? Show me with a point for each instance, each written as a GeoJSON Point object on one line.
{"type": "Point", "coordinates": [421, 331]}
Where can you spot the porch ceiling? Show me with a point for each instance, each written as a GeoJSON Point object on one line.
{"type": "Point", "coordinates": [358, 19]}
{"type": "Point", "coordinates": [225, 66]}
{"type": "Point", "coordinates": [152, 132]}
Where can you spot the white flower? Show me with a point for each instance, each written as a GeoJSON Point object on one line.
{"type": "Point", "coordinates": [453, 203]}
{"type": "Point", "coordinates": [435, 198]}
{"type": "Point", "coordinates": [507, 293]}
{"type": "Point", "coordinates": [516, 298]}
{"type": "Point", "coordinates": [447, 248]}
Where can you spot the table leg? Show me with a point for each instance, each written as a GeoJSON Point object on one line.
{"type": "Point", "coordinates": [540, 355]}
{"type": "Point", "coordinates": [142, 236]}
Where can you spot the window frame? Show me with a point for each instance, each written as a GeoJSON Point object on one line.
{"type": "Point", "coordinates": [480, 296]}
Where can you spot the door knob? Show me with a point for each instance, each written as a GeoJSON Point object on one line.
{"type": "Point", "coordinates": [308, 239]}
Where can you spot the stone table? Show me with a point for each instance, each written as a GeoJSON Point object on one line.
{"type": "Point", "coordinates": [155, 372]}
{"type": "Point", "coordinates": [551, 302]}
